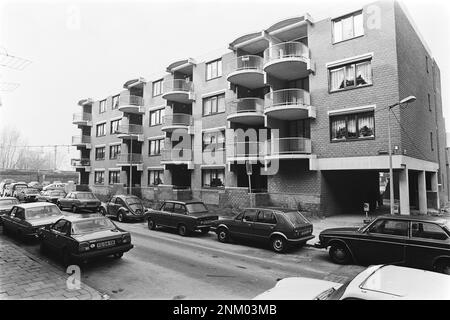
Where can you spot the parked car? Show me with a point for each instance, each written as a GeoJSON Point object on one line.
{"type": "Point", "coordinates": [185, 216]}
{"type": "Point", "coordinates": [6, 204]}
{"type": "Point", "coordinates": [83, 237]}
{"type": "Point", "coordinates": [79, 200]}
{"type": "Point", "coordinates": [13, 188]}
{"type": "Point", "coordinates": [25, 219]}
{"type": "Point", "coordinates": [27, 194]}
{"type": "Point", "coordinates": [55, 186]}
{"type": "Point", "coordinates": [124, 207]}
{"type": "Point", "coordinates": [51, 195]}
{"type": "Point", "coordinates": [3, 186]}
{"type": "Point", "coordinates": [414, 241]}
{"type": "Point", "coordinates": [278, 226]}
{"type": "Point", "coordinates": [35, 185]}
{"type": "Point", "coordinates": [379, 282]}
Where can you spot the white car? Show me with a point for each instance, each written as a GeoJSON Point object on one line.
{"type": "Point", "coordinates": [55, 186]}
{"type": "Point", "coordinates": [381, 282]}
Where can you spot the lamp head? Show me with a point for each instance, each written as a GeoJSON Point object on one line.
{"type": "Point", "coordinates": [408, 99]}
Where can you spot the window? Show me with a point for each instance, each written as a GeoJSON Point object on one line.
{"type": "Point", "coordinates": [213, 178]}
{"type": "Point", "coordinates": [429, 102]}
{"type": "Point", "coordinates": [99, 177]}
{"type": "Point", "coordinates": [427, 231]}
{"type": "Point", "coordinates": [114, 151]}
{"type": "Point", "coordinates": [100, 153]}
{"type": "Point", "coordinates": [114, 177]}
{"type": "Point", "coordinates": [213, 105]}
{"type": "Point", "coordinates": [168, 206]}
{"type": "Point", "coordinates": [156, 117]}
{"type": "Point", "coordinates": [350, 76]}
{"type": "Point", "coordinates": [157, 88]}
{"type": "Point", "coordinates": [250, 215]}
{"type": "Point", "coordinates": [390, 227]}
{"type": "Point", "coordinates": [115, 102]}
{"type": "Point", "coordinates": [266, 217]}
{"type": "Point", "coordinates": [155, 147]}
{"type": "Point", "coordinates": [213, 140]}
{"type": "Point", "coordinates": [101, 130]}
{"type": "Point", "coordinates": [352, 126]}
{"type": "Point", "coordinates": [431, 141]}
{"type": "Point", "coordinates": [115, 125]}
{"type": "Point", "coordinates": [102, 106]}
{"type": "Point", "coordinates": [348, 27]}
{"type": "Point", "coordinates": [214, 69]}
{"type": "Point", "coordinates": [179, 208]}
{"type": "Point", "coordinates": [155, 177]}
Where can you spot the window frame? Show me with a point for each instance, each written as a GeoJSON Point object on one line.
{"type": "Point", "coordinates": [160, 92]}
{"type": "Point", "coordinates": [341, 19]}
{"type": "Point", "coordinates": [356, 114]}
{"type": "Point", "coordinates": [160, 176]}
{"type": "Point", "coordinates": [100, 125]}
{"type": "Point", "coordinates": [115, 105]}
{"type": "Point", "coordinates": [102, 103]}
{"type": "Point", "coordinates": [344, 66]}
{"type": "Point", "coordinates": [160, 116]}
{"type": "Point", "coordinates": [214, 174]}
{"type": "Point", "coordinates": [210, 63]}
{"type": "Point", "coordinates": [102, 174]}
{"type": "Point", "coordinates": [96, 154]}
{"type": "Point", "coordinates": [117, 153]}
{"type": "Point", "coordinates": [118, 121]}
{"type": "Point", "coordinates": [216, 98]}
{"type": "Point", "coordinates": [116, 173]}
{"type": "Point", "coordinates": [159, 142]}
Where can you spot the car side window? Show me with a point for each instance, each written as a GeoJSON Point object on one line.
{"type": "Point", "coordinates": [113, 200]}
{"type": "Point", "coordinates": [250, 215]}
{"type": "Point", "coordinates": [13, 212]}
{"type": "Point", "coordinates": [66, 228]}
{"type": "Point", "coordinates": [425, 230]}
{"type": "Point", "coordinates": [59, 225]}
{"type": "Point", "coordinates": [179, 208]}
{"type": "Point", "coordinates": [20, 213]}
{"type": "Point", "coordinates": [120, 202]}
{"type": "Point", "coordinates": [265, 216]}
{"type": "Point", "coordinates": [390, 227]}
{"type": "Point", "coordinates": [168, 206]}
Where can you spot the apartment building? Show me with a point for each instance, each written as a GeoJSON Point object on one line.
{"type": "Point", "coordinates": [302, 105]}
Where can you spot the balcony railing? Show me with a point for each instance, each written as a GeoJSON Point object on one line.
{"type": "Point", "coordinates": [85, 162]}
{"type": "Point", "coordinates": [291, 145]}
{"type": "Point", "coordinates": [249, 62]}
{"type": "Point", "coordinates": [131, 129]}
{"type": "Point", "coordinates": [81, 140]}
{"type": "Point", "coordinates": [286, 97]}
{"type": "Point", "coordinates": [82, 116]}
{"type": "Point", "coordinates": [177, 85]}
{"type": "Point", "coordinates": [130, 100]}
{"type": "Point", "coordinates": [244, 149]}
{"type": "Point", "coordinates": [130, 158]}
{"type": "Point", "coordinates": [246, 105]}
{"type": "Point", "coordinates": [286, 50]}
{"type": "Point", "coordinates": [177, 154]}
{"type": "Point", "coordinates": [178, 119]}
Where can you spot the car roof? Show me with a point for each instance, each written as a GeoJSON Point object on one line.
{"type": "Point", "coordinates": [80, 192]}
{"type": "Point", "coordinates": [184, 202]}
{"type": "Point", "coordinates": [34, 205]}
{"type": "Point", "coordinates": [79, 217]}
{"type": "Point", "coordinates": [436, 219]}
{"type": "Point", "coordinates": [8, 198]}
{"type": "Point", "coordinates": [278, 209]}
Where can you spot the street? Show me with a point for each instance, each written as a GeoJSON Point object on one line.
{"type": "Point", "coordinates": [163, 265]}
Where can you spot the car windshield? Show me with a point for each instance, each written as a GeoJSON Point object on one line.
{"type": "Point", "coordinates": [133, 201]}
{"type": "Point", "coordinates": [92, 225]}
{"type": "Point", "coordinates": [57, 193]}
{"type": "Point", "coordinates": [85, 196]}
{"type": "Point", "coordinates": [296, 218]}
{"type": "Point", "coordinates": [5, 202]}
{"type": "Point", "coordinates": [42, 212]}
{"type": "Point", "coordinates": [18, 187]}
{"type": "Point", "coordinates": [196, 207]}
{"type": "Point", "coordinates": [29, 190]}
{"type": "Point", "coordinates": [332, 293]}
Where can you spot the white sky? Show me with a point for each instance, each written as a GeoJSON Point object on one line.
{"type": "Point", "coordinates": [119, 40]}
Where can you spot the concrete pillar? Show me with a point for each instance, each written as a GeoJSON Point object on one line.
{"type": "Point", "coordinates": [404, 192]}
{"type": "Point", "coordinates": [435, 188]}
{"type": "Point", "coordinates": [422, 188]}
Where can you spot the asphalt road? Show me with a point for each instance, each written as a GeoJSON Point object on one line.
{"type": "Point", "coordinates": [164, 265]}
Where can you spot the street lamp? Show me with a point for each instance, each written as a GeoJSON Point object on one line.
{"type": "Point", "coordinates": [391, 175]}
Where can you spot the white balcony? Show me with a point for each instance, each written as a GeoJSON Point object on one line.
{"type": "Point", "coordinates": [178, 121]}
{"type": "Point", "coordinates": [288, 148]}
{"type": "Point", "coordinates": [247, 71]}
{"type": "Point", "coordinates": [178, 156]}
{"type": "Point", "coordinates": [130, 159]}
{"type": "Point", "coordinates": [244, 151]}
{"type": "Point", "coordinates": [82, 141]}
{"type": "Point", "coordinates": [130, 132]}
{"type": "Point", "coordinates": [82, 119]}
{"type": "Point", "coordinates": [287, 61]}
{"type": "Point", "coordinates": [131, 104]}
{"type": "Point", "coordinates": [84, 163]}
{"type": "Point", "coordinates": [289, 104]}
{"type": "Point", "coordinates": [249, 111]}
{"type": "Point", "coordinates": [178, 90]}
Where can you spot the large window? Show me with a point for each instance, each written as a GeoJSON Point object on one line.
{"type": "Point", "coordinates": [156, 117]}
{"type": "Point", "coordinates": [352, 126]}
{"type": "Point", "coordinates": [351, 76]}
{"type": "Point", "coordinates": [100, 153]}
{"type": "Point", "coordinates": [114, 177]}
{"type": "Point", "coordinates": [157, 88]}
{"type": "Point", "coordinates": [214, 140]}
{"type": "Point", "coordinates": [99, 177]}
{"type": "Point", "coordinates": [214, 104]}
{"type": "Point", "coordinates": [102, 106]}
{"type": "Point", "coordinates": [115, 102]}
{"type": "Point", "coordinates": [100, 130]}
{"type": "Point", "coordinates": [155, 147]}
{"type": "Point", "coordinates": [115, 124]}
{"type": "Point", "coordinates": [155, 177]}
{"type": "Point", "coordinates": [213, 178]}
{"type": "Point", "coordinates": [114, 151]}
{"type": "Point", "coordinates": [347, 27]}
{"type": "Point", "coordinates": [214, 69]}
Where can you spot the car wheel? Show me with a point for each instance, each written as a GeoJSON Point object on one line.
{"type": "Point", "coordinates": [278, 244]}
{"type": "Point", "coordinates": [103, 211]}
{"type": "Point", "coordinates": [182, 230]}
{"type": "Point", "coordinates": [443, 267]}
{"type": "Point", "coordinates": [120, 217]}
{"type": "Point", "coordinates": [74, 209]}
{"type": "Point", "coordinates": [205, 231]}
{"type": "Point", "coordinates": [151, 224]}
{"type": "Point", "coordinates": [118, 255]}
{"type": "Point", "coordinates": [339, 253]}
{"type": "Point", "coordinates": [223, 235]}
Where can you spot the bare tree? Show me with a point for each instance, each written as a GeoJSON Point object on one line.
{"type": "Point", "coordinates": [10, 139]}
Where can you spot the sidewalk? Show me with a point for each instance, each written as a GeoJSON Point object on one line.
{"type": "Point", "coordinates": [337, 221]}
{"type": "Point", "coordinates": [24, 276]}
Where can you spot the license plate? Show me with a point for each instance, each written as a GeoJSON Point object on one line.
{"type": "Point", "coordinates": [304, 233]}
{"type": "Point", "coordinates": [106, 244]}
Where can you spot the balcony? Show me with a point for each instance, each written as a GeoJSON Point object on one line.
{"type": "Point", "coordinates": [178, 90]}
{"type": "Point", "coordinates": [244, 151]}
{"type": "Point", "coordinates": [177, 121]}
{"type": "Point", "coordinates": [288, 148]}
{"type": "Point", "coordinates": [289, 104]}
{"type": "Point", "coordinates": [84, 163]}
{"type": "Point", "coordinates": [130, 159]}
{"type": "Point", "coordinates": [130, 132]}
{"type": "Point", "coordinates": [249, 111]}
{"type": "Point", "coordinates": [82, 141]}
{"type": "Point", "coordinates": [131, 104]}
{"type": "Point", "coordinates": [82, 119]}
{"type": "Point", "coordinates": [247, 71]}
{"type": "Point", "coordinates": [287, 61]}
{"type": "Point", "coordinates": [178, 156]}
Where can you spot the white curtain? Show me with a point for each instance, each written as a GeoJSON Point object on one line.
{"type": "Point", "coordinates": [363, 73]}
{"type": "Point", "coordinates": [337, 79]}
{"type": "Point", "coordinates": [338, 129]}
{"type": "Point", "coordinates": [366, 125]}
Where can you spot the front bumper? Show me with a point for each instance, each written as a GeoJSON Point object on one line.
{"type": "Point", "coordinates": [134, 217]}
{"type": "Point", "coordinates": [103, 252]}
{"type": "Point", "coordinates": [319, 245]}
{"type": "Point", "coordinates": [302, 239]}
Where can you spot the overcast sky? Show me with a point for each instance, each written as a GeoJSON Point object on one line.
{"type": "Point", "coordinates": [85, 49]}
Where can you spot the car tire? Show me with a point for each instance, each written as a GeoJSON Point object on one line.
{"type": "Point", "coordinates": [443, 267]}
{"type": "Point", "coordinates": [151, 224]}
{"type": "Point", "coordinates": [103, 211]}
{"type": "Point", "coordinates": [182, 230]}
{"type": "Point", "coordinates": [120, 217]}
{"type": "Point", "coordinates": [74, 209]}
{"type": "Point", "coordinates": [278, 244]}
{"type": "Point", "coordinates": [339, 253]}
{"type": "Point", "coordinates": [118, 255]}
{"type": "Point", "coordinates": [223, 235]}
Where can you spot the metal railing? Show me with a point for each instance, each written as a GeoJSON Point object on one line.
{"type": "Point", "coordinates": [176, 154]}
{"type": "Point", "coordinates": [178, 119]}
{"type": "Point", "coordinates": [248, 62]}
{"type": "Point", "coordinates": [81, 139]}
{"type": "Point", "coordinates": [246, 105]}
{"type": "Point", "coordinates": [133, 158]}
{"type": "Point", "coordinates": [291, 145]}
{"type": "Point", "coordinates": [178, 85]}
{"type": "Point", "coordinates": [84, 162]}
{"type": "Point", "coordinates": [286, 50]}
{"type": "Point", "coordinates": [244, 149]}
{"type": "Point", "coordinates": [130, 129]}
{"type": "Point", "coordinates": [82, 116]}
{"type": "Point", "coordinates": [127, 99]}
{"type": "Point", "coordinates": [286, 97]}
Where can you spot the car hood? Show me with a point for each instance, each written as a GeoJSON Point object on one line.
{"type": "Point", "coordinates": [96, 235]}
{"type": "Point", "coordinates": [297, 288]}
{"type": "Point", "coordinates": [44, 221]}
{"type": "Point", "coordinates": [7, 207]}
{"type": "Point", "coordinates": [340, 230]}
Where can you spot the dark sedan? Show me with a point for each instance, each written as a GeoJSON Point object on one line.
{"type": "Point", "coordinates": [51, 196]}
{"type": "Point", "coordinates": [83, 237]}
{"type": "Point", "coordinates": [6, 205]}
{"type": "Point", "coordinates": [414, 241]}
{"type": "Point", "coordinates": [277, 226]}
{"type": "Point", "coordinates": [79, 200]}
{"type": "Point", "coordinates": [123, 208]}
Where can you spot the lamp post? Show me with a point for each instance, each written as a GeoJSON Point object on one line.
{"type": "Point", "coordinates": [391, 174]}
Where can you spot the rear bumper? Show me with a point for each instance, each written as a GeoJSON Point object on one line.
{"type": "Point", "coordinates": [134, 217]}
{"type": "Point", "coordinates": [302, 239]}
{"type": "Point", "coordinates": [103, 252]}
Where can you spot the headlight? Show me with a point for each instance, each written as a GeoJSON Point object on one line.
{"type": "Point", "coordinates": [126, 239]}
{"type": "Point", "coordinates": [84, 246]}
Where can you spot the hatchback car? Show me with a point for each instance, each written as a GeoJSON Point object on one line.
{"type": "Point", "coordinates": [414, 241]}
{"type": "Point", "coordinates": [51, 196]}
{"type": "Point", "coordinates": [124, 207]}
{"type": "Point", "coordinates": [54, 186]}
{"type": "Point", "coordinates": [79, 200]}
{"type": "Point", "coordinates": [278, 226]}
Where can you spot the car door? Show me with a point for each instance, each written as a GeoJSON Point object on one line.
{"type": "Point", "coordinates": [427, 241]}
{"type": "Point", "coordinates": [264, 225]}
{"type": "Point", "coordinates": [55, 237]}
{"type": "Point", "coordinates": [65, 202]}
{"type": "Point", "coordinates": [111, 207]}
{"type": "Point", "coordinates": [179, 215]}
{"type": "Point", "coordinates": [383, 242]}
{"type": "Point", "coordinates": [244, 228]}
{"type": "Point", "coordinates": [9, 221]}
{"type": "Point", "coordinates": [163, 216]}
